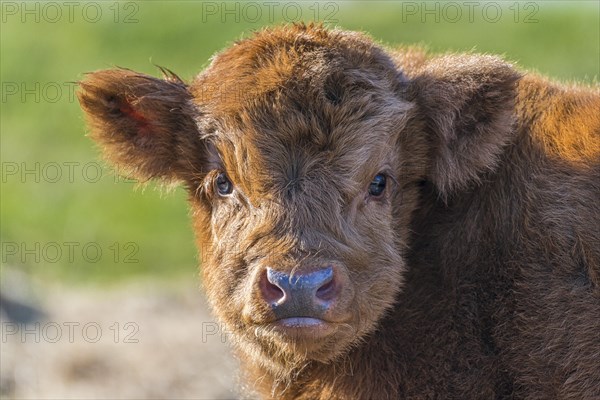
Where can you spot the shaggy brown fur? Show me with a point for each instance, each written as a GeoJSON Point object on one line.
{"type": "Point", "coordinates": [475, 276]}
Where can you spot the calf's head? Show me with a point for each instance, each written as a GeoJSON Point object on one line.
{"type": "Point", "coordinates": [303, 151]}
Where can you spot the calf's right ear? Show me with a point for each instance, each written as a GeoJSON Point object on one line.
{"type": "Point", "coordinates": [145, 125]}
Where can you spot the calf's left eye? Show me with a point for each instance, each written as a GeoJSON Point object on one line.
{"type": "Point", "coordinates": [377, 186]}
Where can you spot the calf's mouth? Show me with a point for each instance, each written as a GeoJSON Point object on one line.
{"type": "Point", "coordinates": [304, 305]}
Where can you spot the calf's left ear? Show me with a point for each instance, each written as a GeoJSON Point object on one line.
{"type": "Point", "coordinates": [467, 105]}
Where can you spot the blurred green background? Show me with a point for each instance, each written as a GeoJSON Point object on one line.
{"type": "Point", "coordinates": [63, 218]}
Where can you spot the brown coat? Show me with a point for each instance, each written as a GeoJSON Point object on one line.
{"type": "Point", "coordinates": [475, 275]}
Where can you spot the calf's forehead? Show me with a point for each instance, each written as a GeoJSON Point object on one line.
{"type": "Point", "coordinates": [301, 106]}
{"type": "Point", "coordinates": [280, 148]}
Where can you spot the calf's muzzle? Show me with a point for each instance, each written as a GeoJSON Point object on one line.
{"type": "Point", "coordinates": [302, 294]}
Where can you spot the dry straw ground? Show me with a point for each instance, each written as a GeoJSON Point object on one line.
{"type": "Point", "coordinates": [177, 354]}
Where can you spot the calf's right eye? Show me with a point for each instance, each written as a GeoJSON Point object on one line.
{"type": "Point", "coordinates": [224, 185]}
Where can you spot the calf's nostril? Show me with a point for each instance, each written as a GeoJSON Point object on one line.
{"type": "Point", "coordinates": [327, 291]}
{"type": "Point", "coordinates": [270, 291]}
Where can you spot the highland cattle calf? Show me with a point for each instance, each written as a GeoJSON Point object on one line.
{"type": "Point", "coordinates": [379, 224]}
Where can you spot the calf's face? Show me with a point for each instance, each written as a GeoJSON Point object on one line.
{"type": "Point", "coordinates": [302, 175]}
{"type": "Point", "coordinates": [295, 218]}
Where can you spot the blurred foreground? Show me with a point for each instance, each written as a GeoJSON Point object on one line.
{"type": "Point", "coordinates": [140, 340]}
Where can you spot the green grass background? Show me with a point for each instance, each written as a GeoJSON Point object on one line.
{"type": "Point", "coordinates": [561, 40]}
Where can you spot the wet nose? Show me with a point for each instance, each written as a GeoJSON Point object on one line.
{"type": "Point", "coordinates": [308, 294]}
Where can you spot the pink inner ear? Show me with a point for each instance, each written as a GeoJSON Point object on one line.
{"type": "Point", "coordinates": [142, 122]}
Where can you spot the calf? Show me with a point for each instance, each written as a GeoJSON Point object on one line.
{"type": "Point", "coordinates": [379, 224]}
